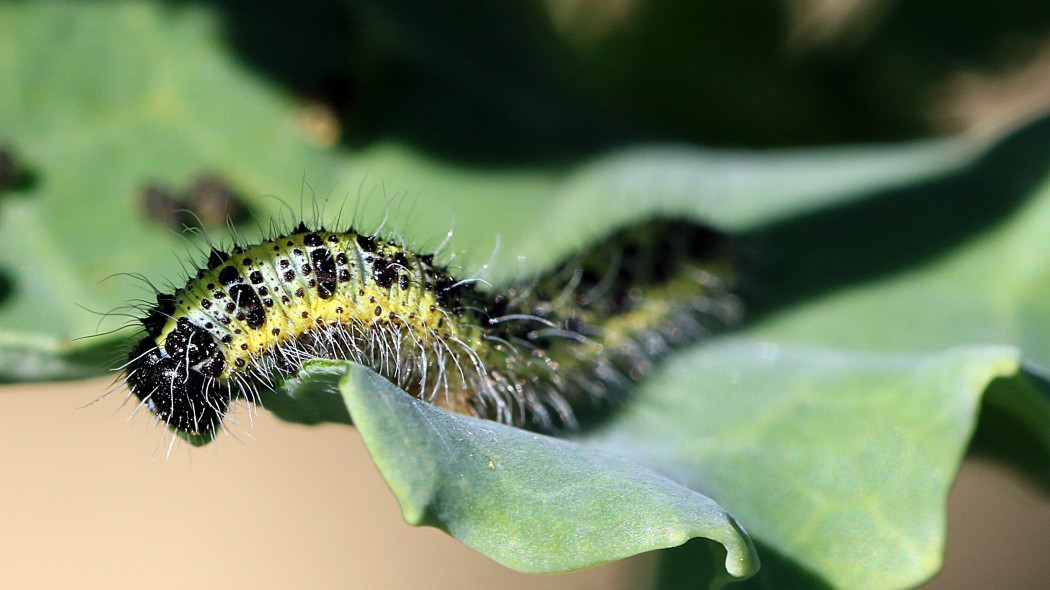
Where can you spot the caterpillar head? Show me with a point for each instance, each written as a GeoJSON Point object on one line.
{"type": "Point", "coordinates": [173, 386]}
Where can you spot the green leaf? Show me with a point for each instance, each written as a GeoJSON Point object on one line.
{"type": "Point", "coordinates": [1015, 425]}
{"type": "Point", "coordinates": [161, 110]}
{"type": "Point", "coordinates": [958, 260]}
{"type": "Point", "coordinates": [312, 397]}
{"type": "Point", "coordinates": [840, 462]}
{"type": "Point", "coordinates": [170, 105]}
{"type": "Point", "coordinates": [530, 502]}
{"type": "Point", "coordinates": [739, 191]}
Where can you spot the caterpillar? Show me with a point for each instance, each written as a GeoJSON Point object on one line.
{"type": "Point", "coordinates": [535, 354]}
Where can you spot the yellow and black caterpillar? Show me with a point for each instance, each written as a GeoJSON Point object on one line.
{"type": "Point", "coordinates": [531, 354]}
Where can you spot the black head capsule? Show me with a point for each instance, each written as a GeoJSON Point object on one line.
{"type": "Point", "coordinates": [181, 397]}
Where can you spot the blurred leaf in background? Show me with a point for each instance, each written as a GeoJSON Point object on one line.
{"type": "Point", "coordinates": [892, 289]}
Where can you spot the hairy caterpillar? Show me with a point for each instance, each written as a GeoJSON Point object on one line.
{"type": "Point", "coordinates": [532, 354]}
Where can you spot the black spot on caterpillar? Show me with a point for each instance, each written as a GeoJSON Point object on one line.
{"type": "Point", "coordinates": [533, 354]}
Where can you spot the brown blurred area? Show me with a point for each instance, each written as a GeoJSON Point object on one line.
{"type": "Point", "coordinates": [91, 501]}
{"type": "Point", "coordinates": [997, 532]}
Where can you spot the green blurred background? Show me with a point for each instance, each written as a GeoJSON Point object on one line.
{"type": "Point", "coordinates": [423, 113]}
